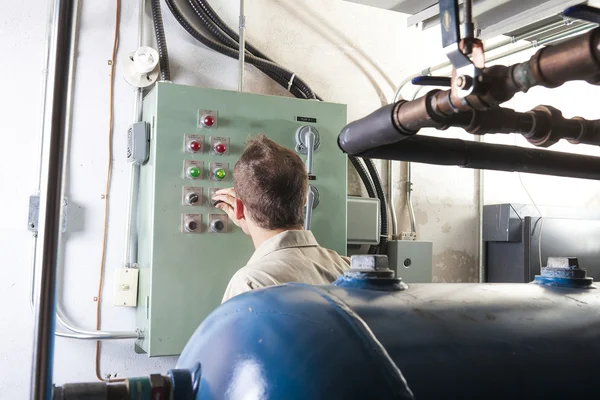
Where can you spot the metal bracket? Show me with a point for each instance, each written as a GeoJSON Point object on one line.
{"type": "Point", "coordinates": [457, 49]}
{"type": "Point", "coordinates": [34, 214]}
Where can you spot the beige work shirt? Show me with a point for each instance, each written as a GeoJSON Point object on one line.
{"type": "Point", "coordinates": [290, 256]}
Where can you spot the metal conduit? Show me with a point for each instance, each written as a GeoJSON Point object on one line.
{"type": "Point", "coordinates": [76, 332]}
{"type": "Point", "coordinates": [51, 203]}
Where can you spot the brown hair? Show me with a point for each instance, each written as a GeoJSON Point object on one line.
{"type": "Point", "coordinates": [271, 181]}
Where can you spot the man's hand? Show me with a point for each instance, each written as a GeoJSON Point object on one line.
{"type": "Point", "coordinates": [226, 201]}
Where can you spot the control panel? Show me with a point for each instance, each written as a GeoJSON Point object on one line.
{"type": "Point", "coordinates": [188, 248]}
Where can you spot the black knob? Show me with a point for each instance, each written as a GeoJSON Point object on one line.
{"type": "Point", "coordinates": [192, 198]}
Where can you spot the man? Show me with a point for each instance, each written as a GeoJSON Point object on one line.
{"type": "Point", "coordinates": [267, 202]}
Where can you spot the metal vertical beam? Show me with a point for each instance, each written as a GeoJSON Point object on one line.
{"type": "Point", "coordinates": [51, 202]}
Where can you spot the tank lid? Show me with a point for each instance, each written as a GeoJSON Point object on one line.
{"type": "Point", "coordinates": [564, 272]}
{"type": "Point", "coordinates": [370, 272]}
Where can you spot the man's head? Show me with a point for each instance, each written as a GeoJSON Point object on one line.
{"type": "Point", "coordinates": [270, 183]}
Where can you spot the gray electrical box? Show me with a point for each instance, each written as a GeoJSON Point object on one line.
{"type": "Point", "coordinates": [363, 220]}
{"type": "Point", "coordinates": [411, 260]}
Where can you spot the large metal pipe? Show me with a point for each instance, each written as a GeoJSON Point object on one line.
{"type": "Point", "coordinates": [468, 154]}
{"type": "Point", "coordinates": [525, 36]}
{"type": "Point", "coordinates": [51, 203]}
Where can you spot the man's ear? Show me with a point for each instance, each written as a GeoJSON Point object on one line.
{"type": "Point", "coordinates": [239, 210]}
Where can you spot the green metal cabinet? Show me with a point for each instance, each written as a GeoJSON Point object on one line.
{"type": "Point", "coordinates": [183, 274]}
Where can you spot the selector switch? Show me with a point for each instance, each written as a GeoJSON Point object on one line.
{"type": "Point", "coordinates": [192, 196]}
{"type": "Point", "coordinates": [211, 194]}
{"type": "Point", "coordinates": [191, 223]}
{"type": "Point", "coordinates": [217, 223]}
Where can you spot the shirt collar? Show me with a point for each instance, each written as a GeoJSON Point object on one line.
{"type": "Point", "coordinates": [284, 240]}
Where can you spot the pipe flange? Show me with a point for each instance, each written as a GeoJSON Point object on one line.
{"type": "Point", "coordinates": [542, 134]}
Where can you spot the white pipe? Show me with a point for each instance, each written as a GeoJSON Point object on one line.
{"type": "Point", "coordinates": [242, 50]}
{"type": "Point", "coordinates": [79, 333]}
{"type": "Point", "coordinates": [390, 196]}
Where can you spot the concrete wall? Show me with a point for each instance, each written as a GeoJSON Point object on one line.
{"type": "Point", "coordinates": [348, 53]}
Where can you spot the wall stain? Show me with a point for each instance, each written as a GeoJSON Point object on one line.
{"type": "Point", "coordinates": [452, 266]}
{"type": "Point", "coordinates": [446, 228]}
{"type": "Point", "coordinates": [421, 217]}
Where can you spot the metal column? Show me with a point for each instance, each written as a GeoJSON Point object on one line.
{"type": "Point", "coordinates": [51, 202]}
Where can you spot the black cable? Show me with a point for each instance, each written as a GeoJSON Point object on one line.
{"type": "Point", "coordinates": [161, 41]}
{"type": "Point", "coordinates": [223, 49]}
{"type": "Point", "coordinates": [226, 40]}
{"type": "Point", "coordinates": [382, 203]}
{"type": "Point", "coordinates": [366, 180]}
{"type": "Point", "coordinates": [225, 34]}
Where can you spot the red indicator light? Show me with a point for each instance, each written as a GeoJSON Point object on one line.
{"type": "Point", "coordinates": [194, 146]}
{"type": "Point", "coordinates": [208, 120]}
{"type": "Point", "coordinates": [220, 148]}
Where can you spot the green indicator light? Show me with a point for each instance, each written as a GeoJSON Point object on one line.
{"type": "Point", "coordinates": [194, 172]}
{"type": "Point", "coordinates": [220, 173]}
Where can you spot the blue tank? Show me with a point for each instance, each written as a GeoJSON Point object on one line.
{"type": "Point", "coordinates": [370, 338]}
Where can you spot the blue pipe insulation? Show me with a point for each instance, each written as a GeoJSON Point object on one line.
{"type": "Point", "coordinates": [427, 341]}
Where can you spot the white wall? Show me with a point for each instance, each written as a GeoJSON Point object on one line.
{"type": "Point", "coordinates": [328, 42]}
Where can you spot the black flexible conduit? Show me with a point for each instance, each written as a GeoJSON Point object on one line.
{"type": "Point", "coordinates": [362, 173]}
{"type": "Point", "coordinates": [228, 41]}
{"type": "Point", "coordinates": [260, 63]}
{"type": "Point", "coordinates": [382, 203]}
{"type": "Point", "coordinates": [161, 41]}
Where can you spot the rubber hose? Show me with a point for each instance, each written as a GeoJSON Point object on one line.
{"type": "Point", "coordinates": [219, 35]}
{"type": "Point", "coordinates": [382, 203]}
{"type": "Point", "coordinates": [161, 41]}
{"type": "Point", "coordinates": [258, 62]}
{"type": "Point", "coordinates": [364, 177]}
{"type": "Point", "coordinates": [208, 10]}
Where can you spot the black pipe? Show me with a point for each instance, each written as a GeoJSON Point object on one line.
{"type": "Point", "coordinates": [374, 130]}
{"type": "Point", "coordinates": [441, 151]}
{"type": "Point", "coordinates": [383, 237]}
{"type": "Point", "coordinates": [161, 41]}
{"type": "Point", "coordinates": [364, 177]}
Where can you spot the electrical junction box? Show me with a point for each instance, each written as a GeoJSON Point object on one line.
{"type": "Point", "coordinates": [363, 220]}
{"type": "Point", "coordinates": [411, 260]}
{"type": "Point", "coordinates": [188, 249]}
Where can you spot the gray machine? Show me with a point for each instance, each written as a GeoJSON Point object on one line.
{"type": "Point", "coordinates": [512, 232]}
